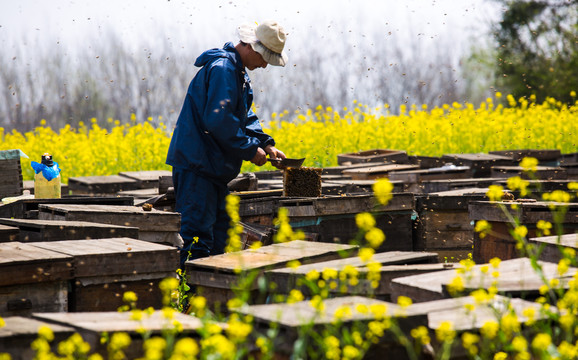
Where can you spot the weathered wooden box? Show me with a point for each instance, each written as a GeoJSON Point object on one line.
{"type": "Point", "coordinates": [260, 210]}
{"type": "Point", "coordinates": [28, 208]}
{"type": "Point", "coordinates": [545, 156]}
{"type": "Point", "coordinates": [394, 264]}
{"type": "Point", "coordinates": [413, 179]}
{"type": "Point", "coordinates": [553, 246]}
{"type": "Point", "coordinates": [470, 319]}
{"type": "Point", "coordinates": [154, 225]}
{"type": "Point", "coordinates": [377, 171]}
{"type": "Point", "coordinates": [542, 172]}
{"type": "Point", "coordinates": [443, 223]}
{"type": "Point", "coordinates": [33, 279]}
{"type": "Point", "coordinates": [33, 230]}
{"type": "Point", "coordinates": [19, 332]}
{"type": "Point", "coordinates": [101, 185]}
{"type": "Point", "coordinates": [106, 268]}
{"type": "Point", "coordinates": [375, 155]}
{"type": "Point", "coordinates": [333, 218]}
{"type": "Point", "coordinates": [9, 233]}
{"type": "Point", "coordinates": [301, 321]}
{"type": "Point", "coordinates": [10, 174]}
{"type": "Point", "coordinates": [217, 277]}
{"type": "Point", "coordinates": [146, 179]}
{"type": "Point", "coordinates": [499, 243]}
{"type": "Point", "coordinates": [480, 164]}
{"type": "Point", "coordinates": [434, 186]}
{"type": "Point", "coordinates": [517, 278]}
{"type": "Point", "coordinates": [91, 326]}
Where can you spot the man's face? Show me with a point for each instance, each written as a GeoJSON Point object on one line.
{"type": "Point", "coordinates": [254, 60]}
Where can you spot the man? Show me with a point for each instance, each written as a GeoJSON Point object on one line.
{"type": "Point", "coordinates": [217, 130]}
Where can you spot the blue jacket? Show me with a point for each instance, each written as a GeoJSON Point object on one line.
{"type": "Point", "coordinates": [216, 129]}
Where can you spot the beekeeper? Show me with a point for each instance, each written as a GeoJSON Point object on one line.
{"type": "Point", "coordinates": [217, 130]}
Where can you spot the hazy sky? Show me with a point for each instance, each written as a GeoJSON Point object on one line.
{"type": "Point", "coordinates": [76, 23]}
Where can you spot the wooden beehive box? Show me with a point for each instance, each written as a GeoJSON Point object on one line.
{"type": "Point", "coordinates": [375, 155]}
{"type": "Point", "coordinates": [517, 278]}
{"type": "Point", "coordinates": [290, 320]}
{"type": "Point", "coordinates": [10, 174]}
{"type": "Point", "coordinates": [434, 186]}
{"type": "Point", "coordinates": [302, 182]}
{"type": "Point", "coordinates": [33, 230]}
{"type": "Point", "coordinates": [101, 185]}
{"type": "Point", "coordinates": [413, 179]}
{"type": "Point", "coordinates": [480, 164]}
{"type": "Point", "coordinates": [9, 233]}
{"type": "Point", "coordinates": [426, 162]}
{"type": "Point", "coordinates": [470, 320]}
{"type": "Point", "coordinates": [154, 226]}
{"type": "Point", "coordinates": [19, 332]}
{"type": "Point", "coordinates": [552, 246]}
{"type": "Point", "coordinates": [216, 277]}
{"type": "Point", "coordinates": [146, 179]}
{"type": "Point", "coordinates": [91, 326]}
{"type": "Point", "coordinates": [542, 172]}
{"type": "Point", "coordinates": [443, 223]}
{"type": "Point", "coordinates": [545, 156]}
{"type": "Point", "coordinates": [28, 208]}
{"type": "Point", "coordinates": [499, 243]}
{"type": "Point", "coordinates": [333, 218]}
{"type": "Point", "coordinates": [394, 264]}
{"type": "Point", "coordinates": [377, 171]}
{"type": "Point", "coordinates": [105, 268]}
{"type": "Point", "coordinates": [260, 210]}
{"type": "Point", "coordinates": [33, 279]}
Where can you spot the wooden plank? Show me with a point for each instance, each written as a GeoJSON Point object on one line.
{"type": "Point", "coordinates": [481, 164]}
{"type": "Point", "coordinates": [552, 246]}
{"type": "Point", "coordinates": [90, 325]}
{"type": "Point", "coordinates": [146, 178]}
{"type": "Point", "coordinates": [394, 264]}
{"type": "Point", "coordinates": [111, 322]}
{"type": "Point", "coordinates": [541, 172]}
{"type": "Point", "coordinates": [8, 233]}
{"type": "Point", "coordinates": [32, 230]}
{"type": "Point", "coordinates": [271, 256]}
{"type": "Point", "coordinates": [154, 220]}
{"type": "Point", "coordinates": [543, 155]}
{"type": "Point", "coordinates": [102, 257]}
{"type": "Point", "coordinates": [374, 155]}
{"type": "Point", "coordinates": [23, 264]}
{"type": "Point", "coordinates": [19, 332]}
{"type": "Point", "coordinates": [454, 310]}
{"type": "Point", "coordinates": [377, 171]}
{"type": "Point", "coordinates": [23, 299]}
{"type": "Point", "coordinates": [108, 184]}
{"type": "Point", "coordinates": [434, 186]}
{"type": "Point", "coordinates": [516, 276]}
{"type": "Point", "coordinates": [299, 314]}
{"type": "Point", "coordinates": [28, 208]}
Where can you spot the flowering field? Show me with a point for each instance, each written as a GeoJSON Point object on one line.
{"type": "Point", "coordinates": [318, 134]}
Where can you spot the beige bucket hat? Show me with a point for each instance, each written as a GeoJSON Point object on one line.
{"type": "Point", "coordinates": [268, 39]}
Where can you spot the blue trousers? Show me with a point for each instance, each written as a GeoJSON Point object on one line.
{"type": "Point", "coordinates": [204, 219]}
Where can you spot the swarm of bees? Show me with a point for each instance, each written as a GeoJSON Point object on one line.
{"type": "Point", "coordinates": [302, 182]}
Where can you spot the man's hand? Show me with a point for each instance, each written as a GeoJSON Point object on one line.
{"type": "Point", "coordinates": [275, 153]}
{"type": "Point", "coordinates": [260, 157]}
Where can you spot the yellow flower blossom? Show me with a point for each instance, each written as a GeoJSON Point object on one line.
{"type": "Point", "coordinates": [529, 164]}
{"type": "Point", "coordinates": [382, 189]}
{"type": "Point", "coordinates": [365, 221]}
{"type": "Point", "coordinates": [445, 332]}
{"type": "Point", "coordinates": [495, 192]}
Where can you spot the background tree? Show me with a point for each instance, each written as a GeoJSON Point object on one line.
{"type": "Point", "coordinates": [537, 48]}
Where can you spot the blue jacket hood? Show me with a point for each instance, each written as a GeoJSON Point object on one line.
{"type": "Point", "coordinates": [216, 129]}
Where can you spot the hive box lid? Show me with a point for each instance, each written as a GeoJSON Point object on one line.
{"type": "Point", "coordinates": [115, 256]}
{"type": "Point", "coordinates": [24, 264]}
